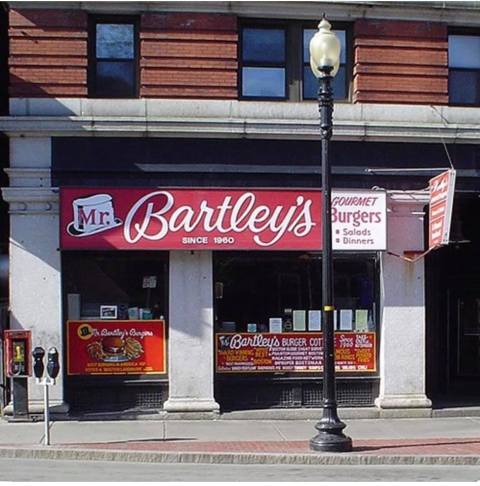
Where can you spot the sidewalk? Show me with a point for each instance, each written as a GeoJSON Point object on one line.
{"type": "Point", "coordinates": [375, 441]}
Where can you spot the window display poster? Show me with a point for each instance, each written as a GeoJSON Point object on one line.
{"type": "Point", "coordinates": [116, 347]}
{"type": "Point", "coordinates": [293, 352]}
{"type": "Point", "coordinates": [299, 320]}
{"type": "Point", "coordinates": [314, 320]}
{"type": "Point", "coordinates": [361, 320]}
{"type": "Point", "coordinates": [275, 324]}
{"type": "Point", "coordinates": [346, 320]}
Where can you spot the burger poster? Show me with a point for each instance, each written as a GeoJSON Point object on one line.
{"type": "Point", "coordinates": [116, 347]}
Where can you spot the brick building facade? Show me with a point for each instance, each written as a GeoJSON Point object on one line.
{"type": "Point", "coordinates": [215, 95]}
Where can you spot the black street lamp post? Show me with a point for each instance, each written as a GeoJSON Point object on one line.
{"type": "Point", "coordinates": [324, 61]}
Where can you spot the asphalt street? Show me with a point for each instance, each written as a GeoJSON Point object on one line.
{"type": "Point", "coordinates": [87, 471]}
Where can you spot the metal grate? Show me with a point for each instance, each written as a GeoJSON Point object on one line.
{"type": "Point", "coordinates": [117, 398]}
{"type": "Point", "coordinates": [349, 394]}
{"type": "Point", "coordinates": [251, 395]}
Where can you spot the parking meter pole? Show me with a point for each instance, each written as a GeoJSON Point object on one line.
{"type": "Point", "coordinates": [47, 415]}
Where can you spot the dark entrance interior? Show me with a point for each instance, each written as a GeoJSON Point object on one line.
{"type": "Point", "coordinates": [453, 311]}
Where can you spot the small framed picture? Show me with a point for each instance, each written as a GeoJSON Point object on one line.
{"type": "Point", "coordinates": [108, 312]}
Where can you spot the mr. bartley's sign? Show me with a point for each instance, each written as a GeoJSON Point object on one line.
{"type": "Point", "coordinates": [260, 219]}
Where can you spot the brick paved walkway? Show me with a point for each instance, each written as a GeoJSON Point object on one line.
{"type": "Point", "coordinates": [450, 447]}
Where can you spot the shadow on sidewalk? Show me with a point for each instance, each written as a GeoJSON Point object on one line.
{"type": "Point", "coordinates": [409, 444]}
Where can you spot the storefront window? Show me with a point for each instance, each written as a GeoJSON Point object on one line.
{"type": "Point", "coordinates": [269, 319]}
{"type": "Point", "coordinates": [120, 285]}
{"type": "Point", "coordinates": [252, 289]}
{"type": "Point", "coordinates": [115, 308]}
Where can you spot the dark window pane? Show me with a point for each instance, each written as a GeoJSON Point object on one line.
{"type": "Point", "coordinates": [115, 79]}
{"type": "Point", "coordinates": [115, 41]}
{"type": "Point", "coordinates": [310, 84]}
{"type": "Point", "coordinates": [267, 82]}
{"type": "Point", "coordinates": [309, 33]}
{"type": "Point", "coordinates": [464, 87]}
{"type": "Point", "coordinates": [464, 51]}
{"type": "Point", "coordinates": [263, 45]}
{"type": "Point", "coordinates": [339, 81]}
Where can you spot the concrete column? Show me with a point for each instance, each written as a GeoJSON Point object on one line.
{"type": "Point", "coordinates": [35, 266]}
{"type": "Point", "coordinates": [402, 346]}
{"type": "Point", "coordinates": [190, 333]}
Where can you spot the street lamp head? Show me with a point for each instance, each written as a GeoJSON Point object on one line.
{"type": "Point", "coordinates": [324, 51]}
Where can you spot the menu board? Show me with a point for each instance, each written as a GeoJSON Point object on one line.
{"type": "Point", "coordinates": [116, 347]}
{"type": "Point", "coordinates": [293, 352]}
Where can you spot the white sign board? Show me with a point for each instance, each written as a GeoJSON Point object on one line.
{"type": "Point", "coordinates": [359, 220]}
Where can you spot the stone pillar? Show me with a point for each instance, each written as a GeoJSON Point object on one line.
{"type": "Point", "coordinates": [35, 267]}
{"type": "Point", "coordinates": [190, 335]}
{"type": "Point", "coordinates": [402, 346]}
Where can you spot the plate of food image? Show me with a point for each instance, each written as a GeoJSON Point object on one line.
{"type": "Point", "coordinates": [114, 350]}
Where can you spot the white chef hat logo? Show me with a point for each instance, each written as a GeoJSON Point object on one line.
{"type": "Point", "coordinates": [92, 215]}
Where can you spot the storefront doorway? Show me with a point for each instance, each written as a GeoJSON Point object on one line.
{"type": "Point", "coordinates": [453, 311]}
{"type": "Point", "coordinates": [464, 339]}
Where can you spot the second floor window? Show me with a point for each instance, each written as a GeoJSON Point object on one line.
{"type": "Point", "coordinates": [275, 62]}
{"type": "Point", "coordinates": [464, 69]}
{"type": "Point", "coordinates": [310, 82]}
{"type": "Point", "coordinates": [263, 63]}
{"type": "Point", "coordinates": [113, 59]}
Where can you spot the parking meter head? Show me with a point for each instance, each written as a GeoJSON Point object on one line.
{"type": "Point", "coordinates": [53, 366]}
{"type": "Point", "coordinates": [38, 366]}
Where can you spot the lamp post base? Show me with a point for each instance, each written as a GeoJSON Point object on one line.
{"type": "Point", "coordinates": [330, 437]}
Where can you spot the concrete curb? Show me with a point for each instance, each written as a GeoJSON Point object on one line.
{"type": "Point", "coordinates": [234, 458]}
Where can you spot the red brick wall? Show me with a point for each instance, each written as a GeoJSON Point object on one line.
{"type": "Point", "coordinates": [188, 56]}
{"type": "Point", "coordinates": [400, 62]}
{"type": "Point", "coordinates": [182, 55]}
{"type": "Point", "coordinates": [48, 53]}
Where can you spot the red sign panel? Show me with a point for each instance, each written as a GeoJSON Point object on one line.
{"type": "Point", "coordinates": [442, 188]}
{"type": "Point", "coordinates": [116, 347]}
{"type": "Point", "coordinates": [293, 352]}
{"type": "Point", "coordinates": [190, 219]}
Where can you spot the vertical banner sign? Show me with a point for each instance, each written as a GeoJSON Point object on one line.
{"type": "Point", "coordinates": [442, 190]}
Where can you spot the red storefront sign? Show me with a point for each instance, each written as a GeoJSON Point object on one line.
{"type": "Point", "coordinates": [442, 189]}
{"type": "Point", "coordinates": [293, 352]}
{"type": "Point", "coordinates": [116, 348]}
{"type": "Point", "coordinates": [112, 218]}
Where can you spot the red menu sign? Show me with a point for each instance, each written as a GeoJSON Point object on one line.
{"type": "Point", "coordinates": [293, 352]}
{"type": "Point", "coordinates": [116, 347]}
{"type": "Point", "coordinates": [190, 219]}
{"type": "Point", "coordinates": [441, 188]}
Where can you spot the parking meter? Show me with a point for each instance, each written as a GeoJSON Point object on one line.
{"type": "Point", "coordinates": [38, 366]}
{"type": "Point", "coordinates": [53, 366]}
